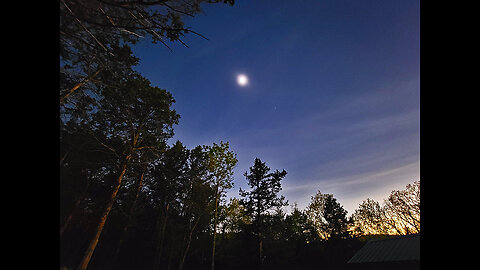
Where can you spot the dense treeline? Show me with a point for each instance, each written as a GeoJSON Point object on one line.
{"type": "Point", "coordinates": [129, 199]}
{"type": "Point", "coordinates": [164, 218]}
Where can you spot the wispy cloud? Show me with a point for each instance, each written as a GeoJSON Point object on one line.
{"type": "Point", "coordinates": [351, 190]}
{"type": "Point", "coordinates": [357, 149]}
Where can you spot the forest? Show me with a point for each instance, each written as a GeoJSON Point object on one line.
{"type": "Point", "coordinates": [129, 199]}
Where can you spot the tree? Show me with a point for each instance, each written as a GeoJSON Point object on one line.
{"type": "Point", "coordinates": [327, 215]}
{"type": "Point", "coordinates": [262, 198]}
{"type": "Point", "coordinates": [233, 217]}
{"type": "Point", "coordinates": [336, 218]}
{"type": "Point", "coordinates": [221, 164]}
{"type": "Point", "coordinates": [183, 197]}
{"type": "Point", "coordinates": [299, 228]}
{"type": "Point", "coordinates": [400, 213]}
{"type": "Point", "coordinates": [402, 209]}
{"type": "Point", "coordinates": [167, 186]}
{"type": "Point", "coordinates": [369, 218]}
{"type": "Point", "coordinates": [197, 200]}
{"type": "Point", "coordinates": [140, 127]}
{"type": "Point", "coordinates": [92, 31]}
{"type": "Point", "coordinates": [315, 211]}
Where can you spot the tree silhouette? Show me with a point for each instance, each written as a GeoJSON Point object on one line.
{"type": "Point", "coordinates": [94, 34]}
{"type": "Point", "coordinates": [262, 198]}
{"type": "Point", "coordinates": [336, 218]}
{"type": "Point", "coordinates": [221, 164]}
{"type": "Point", "coordinates": [138, 128]}
{"type": "Point", "coordinates": [328, 216]}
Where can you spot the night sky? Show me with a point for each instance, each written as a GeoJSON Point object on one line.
{"type": "Point", "coordinates": [332, 96]}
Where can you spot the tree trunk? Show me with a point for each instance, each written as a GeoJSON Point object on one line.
{"type": "Point", "coordinates": [189, 240]}
{"type": "Point", "coordinates": [93, 243]}
{"type": "Point", "coordinates": [161, 236]}
{"type": "Point", "coordinates": [260, 251]}
{"type": "Point", "coordinates": [214, 231]}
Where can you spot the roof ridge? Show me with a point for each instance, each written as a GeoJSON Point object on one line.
{"type": "Point", "coordinates": [393, 237]}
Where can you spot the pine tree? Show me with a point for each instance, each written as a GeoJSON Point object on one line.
{"type": "Point", "coordinates": [262, 198]}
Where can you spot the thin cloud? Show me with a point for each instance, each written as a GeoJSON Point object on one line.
{"type": "Point", "coordinates": [351, 190]}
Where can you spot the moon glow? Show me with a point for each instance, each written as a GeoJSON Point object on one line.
{"type": "Point", "coordinates": [242, 80]}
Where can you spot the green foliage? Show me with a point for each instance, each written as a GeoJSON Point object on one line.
{"type": "Point", "coordinates": [233, 217]}
{"type": "Point", "coordinates": [221, 162]}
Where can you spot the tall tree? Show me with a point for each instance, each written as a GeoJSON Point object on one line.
{"type": "Point", "coordinates": [139, 127]}
{"type": "Point", "coordinates": [167, 187]}
{"type": "Point", "coordinates": [262, 198]}
{"type": "Point", "coordinates": [137, 188]}
{"type": "Point", "coordinates": [198, 199]}
{"type": "Point", "coordinates": [221, 164]}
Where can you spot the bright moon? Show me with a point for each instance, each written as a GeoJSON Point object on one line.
{"type": "Point", "coordinates": [242, 80]}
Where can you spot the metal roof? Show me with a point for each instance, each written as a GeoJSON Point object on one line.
{"type": "Point", "coordinates": [395, 249]}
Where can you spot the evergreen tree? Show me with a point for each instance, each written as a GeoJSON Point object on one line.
{"type": "Point", "coordinates": [262, 198]}
{"type": "Point", "coordinates": [328, 216]}
{"type": "Point", "coordinates": [336, 218]}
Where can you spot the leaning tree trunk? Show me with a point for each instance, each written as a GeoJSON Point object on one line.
{"type": "Point", "coordinates": [93, 243]}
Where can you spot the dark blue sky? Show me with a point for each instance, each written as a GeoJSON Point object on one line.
{"type": "Point", "coordinates": [333, 95]}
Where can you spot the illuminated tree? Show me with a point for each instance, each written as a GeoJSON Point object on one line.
{"type": "Point", "coordinates": [315, 211]}
{"type": "Point", "coordinates": [328, 216]}
{"type": "Point", "coordinates": [369, 218]}
{"type": "Point", "coordinates": [402, 209]}
{"type": "Point", "coordinates": [139, 127]}
{"type": "Point", "coordinates": [400, 213]}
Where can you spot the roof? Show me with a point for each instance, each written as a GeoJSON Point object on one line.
{"type": "Point", "coordinates": [395, 249]}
